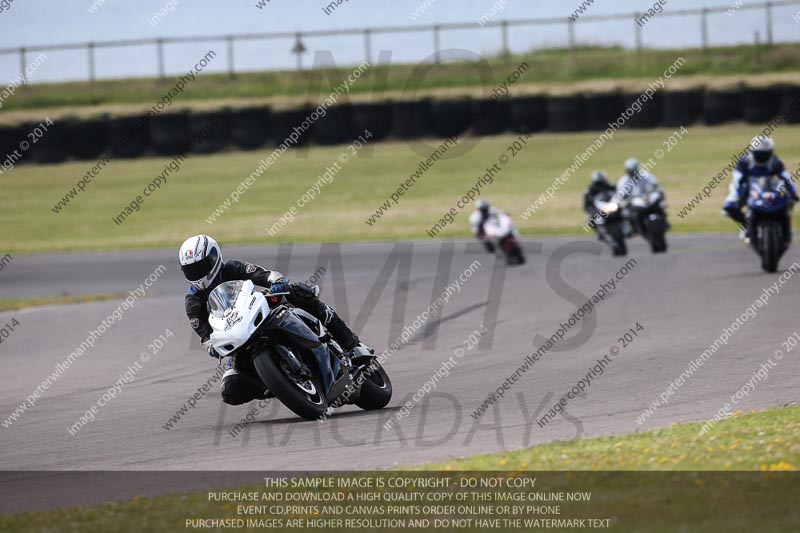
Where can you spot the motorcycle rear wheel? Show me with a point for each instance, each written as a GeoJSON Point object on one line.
{"type": "Point", "coordinates": [376, 391]}
{"type": "Point", "coordinates": [304, 399]}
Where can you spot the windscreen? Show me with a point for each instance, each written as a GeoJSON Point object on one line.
{"type": "Point", "coordinates": [223, 297]}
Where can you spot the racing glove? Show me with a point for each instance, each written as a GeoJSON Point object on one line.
{"type": "Point", "coordinates": [281, 285]}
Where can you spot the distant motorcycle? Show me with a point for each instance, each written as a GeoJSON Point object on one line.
{"type": "Point", "coordinates": [608, 221]}
{"type": "Point", "coordinates": [648, 217]}
{"type": "Point", "coordinates": [768, 204]}
{"type": "Point", "coordinates": [501, 232]}
{"type": "Point", "coordinates": [280, 348]}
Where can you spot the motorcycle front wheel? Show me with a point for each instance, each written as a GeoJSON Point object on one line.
{"type": "Point", "coordinates": [305, 398]}
{"type": "Point", "coordinates": [615, 237]}
{"type": "Point", "coordinates": [771, 243]}
{"type": "Point", "coordinates": [657, 230]}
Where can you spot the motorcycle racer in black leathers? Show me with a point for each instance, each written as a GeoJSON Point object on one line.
{"type": "Point", "coordinates": [202, 265]}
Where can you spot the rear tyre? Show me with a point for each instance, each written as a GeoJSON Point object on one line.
{"type": "Point", "coordinates": [376, 390]}
{"type": "Point", "coordinates": [305, 400]}
{"type": "Point", "coordinates": [771, 244]}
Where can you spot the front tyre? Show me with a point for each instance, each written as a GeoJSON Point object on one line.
{"type": "Point", "coordinates": [513, 251]}
{"type": "Point", "coordinates": [616, 239]}
{"type": "Point", "coordinates": [658, 235]}
{"type": "Point", "coordinates": [771, 244]}
{"type": "Point", "coordinates": [305, 398]}
{"type": "Point", "coordinates": [376, 391]}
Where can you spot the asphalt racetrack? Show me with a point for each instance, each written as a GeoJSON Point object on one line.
{"type": "Point", "coordinates": [683, 300]}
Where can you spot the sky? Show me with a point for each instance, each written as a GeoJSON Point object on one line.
{"type": "Point", "coordinates": [42, 22]}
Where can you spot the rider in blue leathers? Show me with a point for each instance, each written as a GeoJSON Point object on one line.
{"type": "Point", "coordinates": [760, 162]}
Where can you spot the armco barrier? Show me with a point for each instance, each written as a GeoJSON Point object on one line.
{"type": "Point", "coordinates": [412, 119]}
{"type": "Point", "coordinates": [129, 136]}
{"type": "Point", "coordinates": [87, 138]}
{"type": "Point", "coordinates": [760, 105]}
{"type": "Point", "coordinates": [169, 133]}
{"type": "Point", "coordinates": [215, 129]}
{"type": "Point", "coordinates": [377, 118]}
{"type": "Point", "coordinates": [451, 117]}
{"type": "Point", "coordinates": [682, 108]}
{"type": "Point", "coordinates": [566, 113]}
{"type": "Point", "coordinates": [722, 106]}
{"type": "Point", "coordinates": [602, 109]}
{"type": "Point", "coordinates": [251, 127]}
{"type": "Point", "coordinates": [528, 114]}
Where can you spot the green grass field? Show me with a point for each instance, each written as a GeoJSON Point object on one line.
{"type": "Point", "coordinates": [763, 441]}
{"type": "Point", "coordinates": [760, 441]}
{"type": "Point", "coordinates": [548, 68]}
{"type": "Point", "coordinates": [339, 212]}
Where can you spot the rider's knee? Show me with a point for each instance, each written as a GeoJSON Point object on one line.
{"type": "Point", "coordinates": [233, 393]}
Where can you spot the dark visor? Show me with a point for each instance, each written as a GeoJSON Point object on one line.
{"type": "Point", "coordinates": [201, 268]}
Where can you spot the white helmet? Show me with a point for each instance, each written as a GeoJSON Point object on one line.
{"type": "Point", "coordinates": [201, 260]}
{"type": "Point", "coordinates": [762, 147]}
{"type": "Point", "coordinates": [632, 166]}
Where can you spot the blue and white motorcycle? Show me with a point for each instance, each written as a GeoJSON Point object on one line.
{"type": "Point", "coordinates": [769, 203]}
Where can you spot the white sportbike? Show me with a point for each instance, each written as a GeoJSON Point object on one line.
{"type": "Point", "coordinates": [289, 353]}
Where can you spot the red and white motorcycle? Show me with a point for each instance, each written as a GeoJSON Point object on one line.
{"type": "Point", "coordinates": [500, 232]}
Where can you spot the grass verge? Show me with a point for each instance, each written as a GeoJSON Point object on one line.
{"type": "Point", "coordinates": [551, 67]}
{"type": "Point", "coordinates": [340, 210]}
{"type": "Point", "coordinates": [766, 440]}
{"type": "Point", "coordinates": [763, 440]}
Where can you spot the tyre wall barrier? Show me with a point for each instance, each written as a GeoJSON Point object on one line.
{"type": "Point", "coordinates": [250, 127]}
{"type": "Point", "coordinates": [49, 145]}
{"type": "Point", "coordinates": [722, 106]}
{"type": "Point", "coordinates": [760, 105]}
{"type": "Point", "coordinates": [377, 118]}
{"type": "Point", "coordinates": [682, 108]}
{"type": "Point", "coordinates": [452, 117]}
{"type": "Point", "coordinates": [336, 127]}
{"type": "Point", "coordinates": [651, 114]}
{"type": "Point", "coordinates": [87, 138]}
{"type": "Point", "coordinates": [288, 122]}
{"type": "Point", "coordinates": [566, 113]}
{"type": "Point", "coordinates": [169, 133]}
{"type": "Point", "coordinates": [129, 136]}
{"type": "Point", "coordinates": [602, 109]}
{"type": "Point", "coordinates": [492, 117]}
{"type": "Point", "coordinates": [210, 131]}
{"type": "Point", "coordinates": [254, 127]}
{"type": "Point", "coordinates": [10, 137]}
{"type": "Point", "coordinates": [790, 103]}
{"type": "Point", "coordinates": [528, 114]}
{"type": "Point", "coordinates": [412, 120]}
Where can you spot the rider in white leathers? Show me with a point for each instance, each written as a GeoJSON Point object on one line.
{"type": "Point", "coordinates": [483, 213]}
